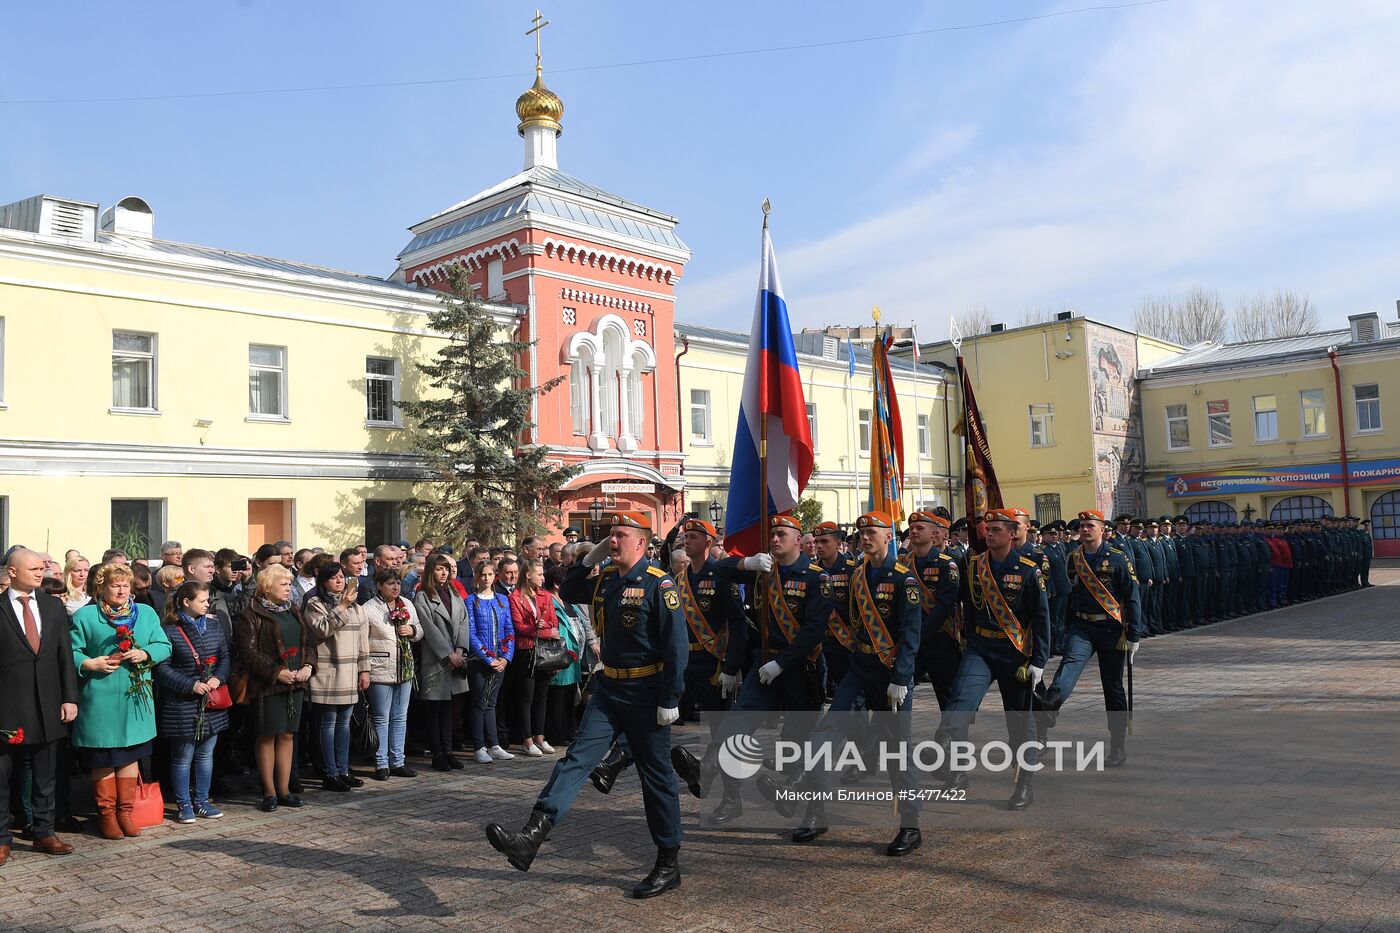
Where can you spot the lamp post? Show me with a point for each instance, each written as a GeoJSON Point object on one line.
{"type": "Point", "coordinates": [1249, 511]}
{"type": "Point", "coordinates": [595, 520]}
{"type": "Point", "coordinates": [716, 512]}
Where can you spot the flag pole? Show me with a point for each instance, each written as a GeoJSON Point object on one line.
{"type": "Point", "coordinates": [760, 592]}
{"type": "Point", "coordinates": [918, 454]}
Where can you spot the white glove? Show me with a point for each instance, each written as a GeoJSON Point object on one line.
{"type": "Point", "coordinates": [664, 716]}
{"type": "Point", "coordinates": [896, 693]}
{"type": "Point", "coordinates": [1132, 650]}
{"type": "Point", "coordinates": [763, 563]}
{"type": "Point", "coordinates": [1036, 674]}
{"type": "Point", "coordinates": [770, 671]}
{"type": "Point", "coordinates": [595, 556]}
{"type": "Point", "coordinates": [728, 683]}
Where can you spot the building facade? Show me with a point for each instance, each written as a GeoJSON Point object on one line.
{"type": "Point", "coordinates": [1263, 430]}
{"type": "Point", "coordinates": [1059, 402]}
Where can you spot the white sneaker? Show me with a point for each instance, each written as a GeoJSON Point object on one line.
{"type": "Point", "coordinates": [546, 748]}
{"type": "Point", "coordinates": [498, 753]}
{"type": "Point", "coordinates": [483, 757]}
{"type": "Point", "coordinates": [533, 751]}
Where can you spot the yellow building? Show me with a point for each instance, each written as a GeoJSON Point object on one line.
{"type": "Point", "coordinates": [838, 411]}
{"type": "Point", "coordinates": [210, 396]}
{"type": "Point", "coordinates": [1260, 430]}
{"type": "Point", "coordinates": [1059, 403]}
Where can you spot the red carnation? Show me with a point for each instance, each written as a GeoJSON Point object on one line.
{"type": "Point", "coordinates": [123, 631]}
{"type": "Point", "coordinates": [18, 737]}
{"type": "Point", "coordinates": [211, 660]}
{"type": "Point", "coordinates": [125, 644]}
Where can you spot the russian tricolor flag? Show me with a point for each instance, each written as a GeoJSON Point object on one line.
{"type": "Point", "coordinates": [772, 397]}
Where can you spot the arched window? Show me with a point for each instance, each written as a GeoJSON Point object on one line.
{"type": "Point", "coordinates": [1211, 510]}
{"type": "Point", "coordinates": [1385, 517]}
{"type": "Point", "coordinates": [606, 366]}
{"type": "Point", "coordinates": [580, 391]}
{"type": "Point", "coordinates": [1297, 508]}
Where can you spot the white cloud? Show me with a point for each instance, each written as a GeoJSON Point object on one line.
{"type": "Point", "coordinates": [1221, 143]}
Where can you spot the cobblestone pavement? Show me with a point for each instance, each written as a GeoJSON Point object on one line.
{"type": "Point", "coordinates": [410, 854]}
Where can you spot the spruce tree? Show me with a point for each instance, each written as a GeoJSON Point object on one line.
{"type": "Point", "coordinates": [487, 484]}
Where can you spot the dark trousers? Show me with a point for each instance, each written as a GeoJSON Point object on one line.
{"type": "Point", "coordinates": [1087, 639]}
{"type": "Point", "coordinates": [981, 667]}
{"type": "Point", "coordinates": [43, 759]}
{"type": "Point", "coordinates": [437, 721]}
{"type": "Point", "coordinates": [528, 696]}
{"type": "Point", "coordinates": [629, 710]}
{"type": "Point", "coordinates": [838, 661]}
{"type": "Point", "coordinates": [485, 688]}
{"type": "Point", "coordinates": [561, 719]}
{"type": "Point", "coordinates": [939, 656]}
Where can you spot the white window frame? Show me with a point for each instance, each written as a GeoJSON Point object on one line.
{"type": "Point", "coordinates": [863, 436]}
{"type": "Point", "coordinates": [1229, 423]}
{"type": "Point", "coordinates": [701, 406]}
{"type": "Point", "coordinates": [283, 415]}
{"type": "Point", "coordinates": [154, 359]}
{"type": "Point", "coordinates": [1320, 408]}
{"type": "Point", "coordinates": [1045, 420]}
{"type": "Point", "coordinates": [495, 279]}
{"type": "Point", "coordinates": [1258, 438]}
{"type": "Point", "coordinates": [1356, 402]}
{"type": "Point", "coordinates": [392, 379]}
{"type": "Point", "coordinates": [921, 430]}
{"type": "Point", "coordinates": [1184, 418]}
{"type": "Point", "coordinates": [812, 423]}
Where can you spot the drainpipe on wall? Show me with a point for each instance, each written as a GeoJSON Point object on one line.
{"type": "Point", "coordinates": [1341, 432]}
{"type": "Point", "coordinates": [680, 417]}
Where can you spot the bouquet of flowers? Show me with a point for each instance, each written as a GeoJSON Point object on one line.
{"type": "Point", "coordinates": [140, 686]}
{"type": "Point", "coordinates": [13, 738]}
{"type": "Point", "coordinates": [288, 657]}
{"type": "Point", "coordinates": [207, 671]}
{"type": "Point", "coordinates": [398, 616]}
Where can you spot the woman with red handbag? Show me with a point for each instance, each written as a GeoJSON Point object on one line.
{"type": "Point", "coordinates": [192, 706]}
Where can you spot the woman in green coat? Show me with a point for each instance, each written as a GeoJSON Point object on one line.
{"type": "Point", "coordinates": [116, 643]}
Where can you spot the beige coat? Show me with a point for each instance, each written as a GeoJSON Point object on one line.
{"type": "Point", "coordinates": [341, 652]}
{"type": "Point", "coordinates": [384, 641]}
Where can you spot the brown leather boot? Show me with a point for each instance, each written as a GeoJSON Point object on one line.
{"type": "Point", "coordinates": [126, 799]}
{"type": "Point", "coordinates": [105, 793]}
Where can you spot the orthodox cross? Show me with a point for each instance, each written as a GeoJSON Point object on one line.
{"type": "Point", "coordinates": [540, 22]}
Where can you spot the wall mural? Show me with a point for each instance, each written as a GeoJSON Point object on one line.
{"type": "Point", "coordinates": [1117, 423]}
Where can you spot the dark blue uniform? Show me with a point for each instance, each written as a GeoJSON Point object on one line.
{"type": "Point", "coordinates": [1057, 587]}
{"type": "Point", "coordinates": [939, 650]}
{"type": "Point", "coordinates": [1093, 631]}
{"type": "Point", "coordinates": [718, 601]}
{"type": "Point", "coordinates": [644, 647]}
{"type": "Point", "coordinates": [837, 658]}
{"type": "Point", "coordinates": [896, 596]}
{"type": "Point", "coordinates": [990, 655]}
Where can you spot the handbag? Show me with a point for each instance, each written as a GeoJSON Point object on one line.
{"type": "Point", "coordinates": [219, 697]}
{"type": "Point", "coordinates": [364, 738]}
{"type": "Point", "coordinates": [549, 656]}
{"type": "Point", "coordinates": [149, 808]}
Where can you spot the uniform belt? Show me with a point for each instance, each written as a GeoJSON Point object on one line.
{"type": "Point", "coordinates": [698, 646]}
{"type": "Point", "coordinates": [1092, 616]}
{"type": "Point", "coordinates": [866, 648]}
{"type": "Point", "coordinates": [632, 673]}
{"type": "Point", "coordinates": [990, 632]}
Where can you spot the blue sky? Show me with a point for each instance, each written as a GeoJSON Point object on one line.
{"type": "Point", "coordinates": [1082, 161]}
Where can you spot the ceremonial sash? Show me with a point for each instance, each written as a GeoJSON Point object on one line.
{"type": "Point", "coordinates": [863, 607]}
{"type": "Point", "coordinates": [997, 606]}
{"type": "Point", "coordinates": [782, 612]}
{"type": "Point", "coordinates": [928, 602]}
{"type": "Point", "coordinates": [715, 642]}
{"type": "Point", "coordinates": [1095, 586]}
{"type": "Point", "coordinates": [841, 631]}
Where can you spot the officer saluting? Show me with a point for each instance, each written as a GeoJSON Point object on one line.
{"type": "Point", "coordinates": [637, 611]}
{"type": "Point", "coordinates": [884, 610]}
{"type": "Point", "coordinates": [1104, 619]}
{"type": "Point", "coordinates": [1007, 626]}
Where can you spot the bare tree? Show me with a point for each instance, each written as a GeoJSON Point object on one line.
{"type": "Point", "coordinates": [1197, 317]}
{"type": "Point", "coordinates": [1040, 314]}
{"type": "Point", "coordinates": [1285, 313]}
{"type": "Point", "coordinates": [977, 319]}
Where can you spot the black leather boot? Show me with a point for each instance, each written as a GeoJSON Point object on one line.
{"type": "Point", "coordinates": [1117, 752]}
{"type": "Point", "coordinates": [697, 773]}
{"type": "Point", "coordinates": [665, 875]}
{"type": "Point", "coordinates": [813, 824]}
{"type": "Point", "coordinates": [905, 841]}
{"type": "Point", "coordinates": [522, 847]}
{"type": "Point", "coordinates": [1022, 796]}
{"type": "Point", "coordinates": [731, 807]}
{"type": "Point", "coordinates": [605, 774]}
{"type": "Point", "coordinates": [957, 780]}
{"type": "Point", "coordinates": [772, 790]}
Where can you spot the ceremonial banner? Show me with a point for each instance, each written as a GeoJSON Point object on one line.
{"type": "Point", "coordinates": [980, 488]}
{"type": "Point", "coordinates": [886, 436]}
{"type": "Point", "coordinates": [772, 415]}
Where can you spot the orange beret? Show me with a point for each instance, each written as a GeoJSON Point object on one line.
{"type": "Point", "coordinates": [922, 516]}
{"type": "Point", "coordinates": [827, 528]}
{"type": "Point", "coordinates": [632, 520]}
{"type": "Point", "coordinates": [1019, 512]}
{"type": "Point", "coordinates": [873, 520]}
{"type": "Point", "coordinates": [785, 521]}
{"type": "Point", "coordinates": [1091, 515]}
{"type": "Point", "coordinates": [1002, 515]}
{"type": "Point", "coordinates": [702, 526]}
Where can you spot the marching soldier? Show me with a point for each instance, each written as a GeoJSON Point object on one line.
{"type": "Point", "coordinates": [884, 608]}
{"type": "Point", "coordinates": [957, 540]}
{"type": "Point", "coordinates": [838, 566]}
{"type": "Point", "coordinates": [637, 610]}
{"type": "Point", "coordinates": [1104, 620]}
{"type": "Point", "coordinates": [1007, 626]}
{"type": "Point", "coordinates": [937, 574]}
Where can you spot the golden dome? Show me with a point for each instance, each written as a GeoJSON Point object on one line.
{"type": "Point", "coordinates": [539, 106]}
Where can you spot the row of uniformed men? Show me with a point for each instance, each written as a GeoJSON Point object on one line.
{"type": "Point", "coordinates": [883, 625]}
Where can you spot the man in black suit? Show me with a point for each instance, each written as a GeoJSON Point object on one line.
{"type": "Point", "coordinates": [38, 693]}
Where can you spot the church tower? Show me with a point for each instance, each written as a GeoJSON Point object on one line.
{"type": "Point", "coordinates": [592, 277]}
